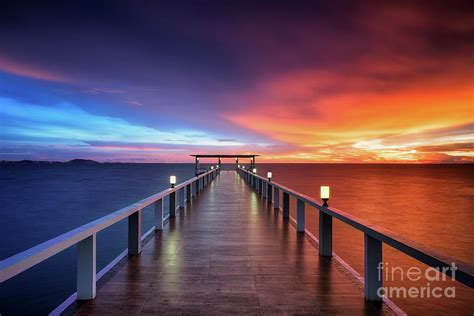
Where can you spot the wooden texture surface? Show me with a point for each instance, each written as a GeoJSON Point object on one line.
{"type": "Point", "coordinates": [228, 252]}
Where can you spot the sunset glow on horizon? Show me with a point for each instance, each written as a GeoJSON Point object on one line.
{"type": "Point", "coordinates": [314, 82]}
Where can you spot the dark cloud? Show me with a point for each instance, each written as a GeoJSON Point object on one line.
{"type": "Point", "coordinates": [228, 45]}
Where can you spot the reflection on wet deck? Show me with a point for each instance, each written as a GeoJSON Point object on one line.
{"type": "Point", "coordinates": [228, 252]}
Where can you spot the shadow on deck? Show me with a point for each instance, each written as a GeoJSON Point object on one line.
{"type": "Point", "coordinates": [228, 252]}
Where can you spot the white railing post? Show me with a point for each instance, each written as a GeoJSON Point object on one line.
{"type": "Point", "coordinates": [286, 205]}
{"type": "Point", "coordinates": [181, 197]}
{"type": "Point", "coordinates": [325, 234]}
{"type": "Point", "coordinates": [372, 265]}
{"type": "Point", "coordinates": [300, 216]}
{"type": "Point", "coordinates": [159, 214]}
{"type": "Point", "coordinates": [269, 193]}
{"type": "Point", "coordinates": [135, 233]}
{"type": "Point", "coordinates": [86, 268]}
{"type": "Point", "coordinates": [276, 199]}
{"type": "Point", "coordinates": [188, 193]}
{"type": "Point", "coordinates": [172, 204]}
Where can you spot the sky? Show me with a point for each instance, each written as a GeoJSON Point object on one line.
{"type": "Point", "coordinates": [293, 81]}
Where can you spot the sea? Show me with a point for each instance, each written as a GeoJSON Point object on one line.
{"type": "Point", "coordinates": [432, 205]}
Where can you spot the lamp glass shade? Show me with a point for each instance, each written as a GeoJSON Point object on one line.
{"type": "Point", "coordinates": [254, 170]}
{"type": "Point", "coordinates": [212, 167]}
{"type": "Point", "coordinates": [269, 175]}
{"type": "Point", "coordinates": [172, 179]}
{"type": "Point", "coordinates": [324, 192]}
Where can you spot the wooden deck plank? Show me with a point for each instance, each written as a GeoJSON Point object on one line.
{"type": "Point", "coordinates": [228, 253]}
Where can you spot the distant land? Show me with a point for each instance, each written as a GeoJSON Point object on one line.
{"type": "Point", "coordinates": [35, 162]}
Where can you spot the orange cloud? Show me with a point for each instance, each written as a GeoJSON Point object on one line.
{"type": "Point", "coordinates": [356, 121]}
{"type": "Point", "coordinates": [126, 148]}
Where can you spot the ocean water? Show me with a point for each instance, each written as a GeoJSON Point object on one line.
{"type": "Point", "coordinates": [430, 204]}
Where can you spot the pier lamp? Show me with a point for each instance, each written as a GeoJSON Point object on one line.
{"type": "Point", "coordinates": [254, 170]}
{"type": "Point", "coordinates": [324, 194]}
{"type": "Point", "coordinates": [238, 166]}
{"type": "Point", "coordinates": [212, 167]}
{"type": "Point", "coordinates": [172, 181]}
{"type": "Point", "coordinates": [269, 176]}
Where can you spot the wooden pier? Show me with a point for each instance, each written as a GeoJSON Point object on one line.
{"type": "Point", "coordinates": [229, 252]}
{"type": "Point", "coordinates": [228, 245]}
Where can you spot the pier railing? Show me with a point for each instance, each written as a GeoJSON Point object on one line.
{"type": "Point", "coordinates": [374, 235]}
{"type": "Point", "coordinates": [85, 236]}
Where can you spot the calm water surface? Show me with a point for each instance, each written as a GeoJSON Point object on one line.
{"type": "Point", "coordinates": [430, 204]}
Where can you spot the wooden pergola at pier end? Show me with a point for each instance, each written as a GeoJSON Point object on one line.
{"type": "Point", "coordinates": [219, 157]}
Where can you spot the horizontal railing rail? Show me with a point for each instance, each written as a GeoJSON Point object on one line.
{"type": "Point", "coordinates": [374, 236]}
{"type": "Point", "coordinates": [85, 235]}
